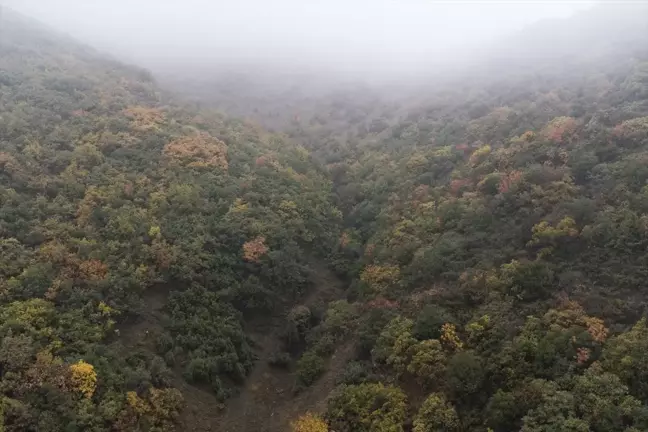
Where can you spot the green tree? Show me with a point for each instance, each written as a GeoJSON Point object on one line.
{"type": "Point", "coordinates": [436, 415]}
{"type": "Point", "coordinates": [309, 368]}
{"type": "Point", "coordinates": [428, 362]}
{"type": "Point", "coordinates": [394, 346]}
{"type": "Point", "coordinates": [368, 407]}
{"type": "Point", "coordinates": [624, 355]}
{"type": "Point", "coordinates": [465, 374]}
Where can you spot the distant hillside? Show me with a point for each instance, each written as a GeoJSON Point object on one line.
{"type": "Point", "coordinates": [499, 222]}
{"type": "Point", "coordinates": [463, 253]}
{"type": "Point", "coordinates": [136, 235]}
{"type": "Point", "coordinates": [607, 29]}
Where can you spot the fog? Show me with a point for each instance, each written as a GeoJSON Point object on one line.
{"type": "Point", "coordinates": [363, 37]}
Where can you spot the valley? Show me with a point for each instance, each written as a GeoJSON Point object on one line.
{"type": "Point", "coordinates": [256, 251]}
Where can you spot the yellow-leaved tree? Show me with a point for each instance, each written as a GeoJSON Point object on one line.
{"type": "Point", "coordinates": [449, 337]}
{"type": "Point", "coordinates": [380, 278]}
{"type": "Point", "coordinates": [83, 378]}
{"type": "Point", "coordinates": [309, 423]}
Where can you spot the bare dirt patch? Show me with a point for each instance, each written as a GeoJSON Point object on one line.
{"type": "Point", "coordinates": [201, 411]}
{"type": "Point", "coordinates": [268, 402]}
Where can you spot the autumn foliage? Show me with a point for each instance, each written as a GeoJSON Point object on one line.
{"type": "Point", "coordinates": [144, 118]}
{"type": "Point", "coordinates": [345, 238]}
{"type": "Point", "coordinates": [47, 370]}
{"type": "Point", "coordinates": [596, 328]}
{"type": "Point", "coordinates": [200, 150]}
{"type": "Point", "coordinates": [583, 355]}
{"type": "Point", "coordinates": [93, 270]}
{"type": "Point", "coordinates": [83, 378]}
{"type": "Point", "coordinates": [633, 130]}
{"type": "Point", "coordinates": [458, 185]}
{"type": "Point", "coordinates": [253, 250]}
{"type": "Point", "coordinates": [269, 160]}
{"type": "Point", "coordinates": [479, 155]}
{"type": "Point", "coordinates": [561, 130]}
{"type": "Point", "coordinates": [8, 163]}
{"type": "Point", "coordinates": [449, 337]}
{"type": "Point", "coordinates": [309, 423]}
{"type": "Point", "coordinates": [379, 278]}
{"type": "Point", "coordinates": [509, 180]}
{"type": "Point", "coordinates": [157, 407]}
{"type": "Point", "coordinates": [422, 242]}
{"type": "Point", "coordinates": [382, 303]}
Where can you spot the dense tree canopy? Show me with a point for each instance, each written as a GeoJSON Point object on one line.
{"type": "Point", "coordinates": [113, 196]}
{"type": "Point", "coordinates": [490, 231]}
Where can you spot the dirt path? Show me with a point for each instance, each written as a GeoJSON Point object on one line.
{"type": "Point", "coordinates": [267, 402]}
{"type": "Point", "coordinates": [201, 411]}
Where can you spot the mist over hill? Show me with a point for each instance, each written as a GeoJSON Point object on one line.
{"type": "Point", "coordinates": [341, 216]}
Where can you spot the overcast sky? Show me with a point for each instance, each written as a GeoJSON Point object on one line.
{"type": "Point", "coordinates": [365, 33]}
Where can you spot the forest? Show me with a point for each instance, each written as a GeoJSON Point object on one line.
{"type": "Point", "coordinates": [465, 257]}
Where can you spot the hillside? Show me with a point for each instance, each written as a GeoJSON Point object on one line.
{"type": "Point", "coordinates": [464, 254]}
{"type": "Point", "coordinates": [501, 233]}
{"type": "Point", "coordinates": [136, 237]}
{"type": "Point", "coordinates": [495, 225]}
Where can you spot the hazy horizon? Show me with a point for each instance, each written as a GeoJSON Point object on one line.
{"type": "Point", "coordinates": [360, 37]}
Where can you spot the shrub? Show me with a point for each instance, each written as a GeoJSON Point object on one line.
{"type": "Point", "coordinates": [309, 368]}
{"type": "Point", "coordinates": [354, 373]}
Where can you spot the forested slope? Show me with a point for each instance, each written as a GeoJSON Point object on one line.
{"type": "Point", "coordinates": [111, 195]}
{"type": "Point", "coordinates": [496, 234]}
{"type": "Point", "coordinates": [501, 234]}
{"type": "Point", "coordinates": [492, 226]}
